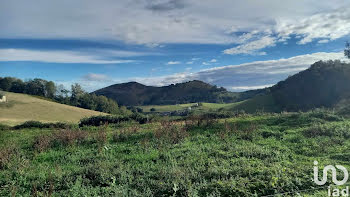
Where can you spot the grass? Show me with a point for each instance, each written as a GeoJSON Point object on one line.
{"type": "Point", "coordinates": [179, 107]}
{"type": "Point", "coordinates": [264, 103]}
{"type": "Point", "coordinates": [248, 155]}
{"type": "Point", "coordinates": [22, 107]}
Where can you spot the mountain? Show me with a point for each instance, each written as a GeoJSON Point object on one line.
{"type": "Point", "coordinates": [133, 93]}
{"type": "Point", "coordinates": [324, 84]}
{"type": "Point", "coordinates": [23, 107]}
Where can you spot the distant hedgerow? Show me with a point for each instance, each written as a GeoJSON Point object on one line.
{"type": "Point", "coordinates": [113, 119]}
{"type": "Point", "coordinates": [40, 125]}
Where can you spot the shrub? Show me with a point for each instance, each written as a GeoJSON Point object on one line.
{"type": "Point", "coordinates": [4, 127]}
{"type": "Point", "coordinates": [153, 109]}
{"type": "Point", "coordinates": [116, 119]}
{"type": "Point", "coordinates": [139, 110]}
{"type": "Point", "coordinates": [40, 125]}
{"type": "Point", "coordinates": [69, 137]}
{"type": "Point", "coordinates": [331, 130]}
{"type": "Point", "coordinates": [123, 134]}
{"type": "Point", "coordinates": [101, 137]}
{"type": "Point", "coordinates": [171, 132]}
{"type": "Point", "coordinates": [5, 156]}
{"type": "Point", "coordinates": [42, 143]}
{"type": "Point", "coordinates": [119, 137]}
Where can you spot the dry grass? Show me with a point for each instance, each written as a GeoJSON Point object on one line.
{"type": "Point", "coordinates": [171, 131]}
{"type": "Point", "coordinates": [26, 108]}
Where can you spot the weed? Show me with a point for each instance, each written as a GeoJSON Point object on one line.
{"type": "Point", "coordinates": [42, 143]}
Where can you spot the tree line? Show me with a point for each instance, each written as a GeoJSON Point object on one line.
{"type": "Point", "coordinates": [76, 96]}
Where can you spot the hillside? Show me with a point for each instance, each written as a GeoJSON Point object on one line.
{"type": "Point", "coordinates": [133, 94]}
{"type": "Point", "coordinates": [324, 84]}
{"type": "Point", "coordinates": [22, 107]}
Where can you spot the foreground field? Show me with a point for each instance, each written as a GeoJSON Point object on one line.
{"type": "Point", "coordinates": [267, 155]}
{"type": "Point", "coordinates": [22, 107]}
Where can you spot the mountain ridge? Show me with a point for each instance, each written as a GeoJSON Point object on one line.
{"type": "Point", "coordinates": [134, 93]}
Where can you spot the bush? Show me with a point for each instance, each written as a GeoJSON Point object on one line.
{"type": "Point", "coordinates": [40, 125]}
{"type": "Point", "coordinates": [4, 127]}
{"type": "Point", "coordinates": [116, 119]}
{"type": "Point", "coordinates": [153, 109]}
{"type": "Point", "coordinates": [139, 110]}
{"type": "Point", "coordinates": [6, 155]}
{"type": "Point", "coordinates": [171, 132]}
{"type": "Point", "coordinates": [42, 143]}
{"type": "Point", "coordinates": [69, 137]}
{"type": "Point", "coordinates": [331, 130]}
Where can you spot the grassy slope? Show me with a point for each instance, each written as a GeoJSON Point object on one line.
{"type": "Point", "coordinates": [262, 155]}
{"type": "Point", "coordinates": [263, 103]}
{"type": "Point", "coordinates": [22, 107]}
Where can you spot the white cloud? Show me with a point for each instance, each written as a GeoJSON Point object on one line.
{"type": "Point", "coordinates": [173, 62]}
{"type": "Point", "coordinates": [244, 88]}
{"type": "Point", "coordinates": [189, 62]}
{"type": "Point", "coordinates": [239, 77]}
{"type": "Point", "coordinates": [323, 41]}
{"type": "Point", "coordinates": [213, 60]}
{"type": "Point", "coordinates": [205, 63]}
{"type": "Point", "coordinates": [254, 74]}
{"type": "Point", "coordinates": [329, 25]}
{"type": "Point", "coordinates": [96, 77]}
{"type": "Point", "coordinates": [55, 57]}
{"type": "Point", "coordinates": [170, 21]}
{"type": "Point", "coordinates": [252, 47]}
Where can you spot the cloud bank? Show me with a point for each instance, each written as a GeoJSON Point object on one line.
{"type": "Point", "coordinates": [151, 22]}
{"type": "Point", "coordinates": [8, 55]}
{"type": "Point", "coordinates": [240, 77]}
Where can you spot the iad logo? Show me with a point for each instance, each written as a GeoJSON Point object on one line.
{"type": "Point", "coordinates": [332, 191]}
{"type": "Point", "coordinates": [334, 174]}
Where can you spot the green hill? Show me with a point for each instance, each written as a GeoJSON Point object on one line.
{"type": "Point", "coordinates": [323, 85]}
{"type": "Point", "coordinates": [22, 107]}
{"type": "Point", "coordinates": [136, 94]}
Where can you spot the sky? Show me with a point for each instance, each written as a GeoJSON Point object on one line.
{"type": "Point", "coordinates": [239, 45]}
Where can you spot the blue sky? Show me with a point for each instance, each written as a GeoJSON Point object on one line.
{"type": "Point", "coordinates": [235, 44]}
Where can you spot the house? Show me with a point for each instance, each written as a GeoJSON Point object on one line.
{"type": "Point", "coordinates": [3, 99]}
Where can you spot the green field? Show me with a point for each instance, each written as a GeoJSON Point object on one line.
{"type": "Point", "coordinates": [263, 103]}
{"type": "Point", "coordinates": [22, 107]}
{"type": "Point", "coordinates": [248, 155]}
{"type": "Point", "coordinates": [179, 107]}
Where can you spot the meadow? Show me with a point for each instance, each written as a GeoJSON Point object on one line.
{"type": "Point", "coordinates": [243, 155]}
{"type": "Point", "coordinates": [22, 107]}
{"type": "Point", "coordinates": [202, 107]}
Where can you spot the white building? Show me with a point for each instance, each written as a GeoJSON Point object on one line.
{"type": "Point", "coordinates": [3, 99]}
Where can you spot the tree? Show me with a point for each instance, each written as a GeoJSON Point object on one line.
{"type": "Point", "coordinates": [77, 92]}
{"type": "Point", "coordinates": [87, 101]}
{"type": "Point", "coordinates": [61, 91]}
{"type": "Point", "coordinates": [347, 50]}
{"type": "Point", "coordinates": [6, 83]}
{"type": "Point", "coordinates": [36, 87]}
{"type": "Point", "coordinates": [18, 86]}
{"type": "Point", "coordinates": [50, 89]}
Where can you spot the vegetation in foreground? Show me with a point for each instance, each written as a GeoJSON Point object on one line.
{"type": "Point", "coordinates": [245, 155]}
